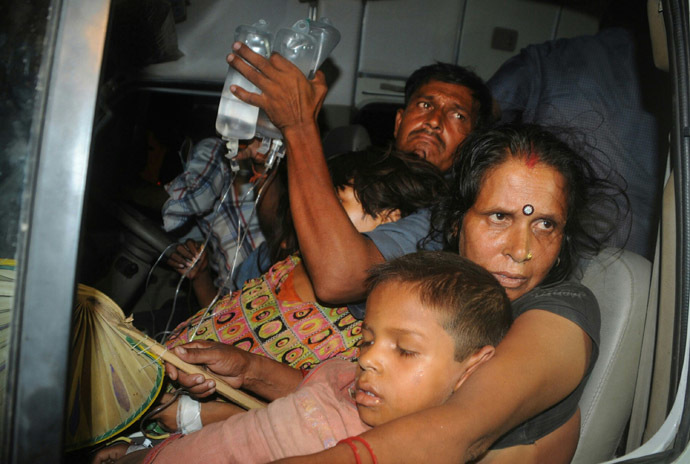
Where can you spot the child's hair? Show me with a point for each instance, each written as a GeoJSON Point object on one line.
{"type": "Point", "coordinates": [382, 181]}
{"type": "Point", "coordinates": [388, 180]}
{"type": "Point", "coordinates": [472, 306]}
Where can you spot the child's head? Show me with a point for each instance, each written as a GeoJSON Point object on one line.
{"type": "Point", "coordinates": [431, 319]}
{"type": "Point", "coordinates": [374, 187]}
{"type": "Point", "coordinates": [377, 186]}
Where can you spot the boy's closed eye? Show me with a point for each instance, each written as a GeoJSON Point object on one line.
{"type": "Point", "coordinates": [406, 353]}
{"type": "Point", "coordinates": [400, 348]}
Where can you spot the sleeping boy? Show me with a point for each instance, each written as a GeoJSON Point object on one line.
{"type": "Point", "coordinates": [432, 318]}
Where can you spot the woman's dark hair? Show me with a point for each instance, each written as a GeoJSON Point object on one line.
{"type": "Point", "coordinates": [454, 74]}
{"type": "Point", "coordinates": [382, 180]}
{"type": "Point", "coordinates": [482, 151]}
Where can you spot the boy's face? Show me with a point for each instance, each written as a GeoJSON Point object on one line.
{"type": "Point", "coordinates": [406, 362]}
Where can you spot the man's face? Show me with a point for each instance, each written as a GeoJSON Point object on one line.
{"type": "Point", "coordinates": [406, 360]}
{"type": "Point", "coordinates": [436, 120]}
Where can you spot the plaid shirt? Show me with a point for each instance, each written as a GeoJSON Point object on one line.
{"type": "Point", "coordinates": [196, 193]}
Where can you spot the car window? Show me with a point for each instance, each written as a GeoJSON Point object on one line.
{"type": "Point", "coordinates": [21, 53]}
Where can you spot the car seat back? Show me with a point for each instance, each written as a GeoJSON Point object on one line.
{"type": "Point", "coordinates": [343, 139]}
{"type": "Point", "coordinates": [620, 280]}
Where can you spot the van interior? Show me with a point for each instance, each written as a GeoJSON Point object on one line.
{"type": "Point", "coordinates": [159, 68]}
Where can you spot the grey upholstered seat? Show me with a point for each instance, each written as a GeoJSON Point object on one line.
{"type": "Point", "coordinates": [345, 138]}
{"type": "Point", "coordinates": [620, 280]}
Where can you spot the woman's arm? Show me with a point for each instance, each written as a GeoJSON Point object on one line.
{"type": "Point", "coordinates": [240, 369]}
{"type": "Point", "coordinates": [540, 361]}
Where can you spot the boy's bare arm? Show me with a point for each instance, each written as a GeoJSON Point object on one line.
{"type": "Point", "coordinates": [335, 254]}
{"type": "Point", "coordinates": [137, 457]}
{"type": "Point", "coordinates": [189, 255]}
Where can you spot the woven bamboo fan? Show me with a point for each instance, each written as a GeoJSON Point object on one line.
{"type": "Point", "coordinates": [113, 380]}
{"type": "Point", "coordinates": [117, 372]}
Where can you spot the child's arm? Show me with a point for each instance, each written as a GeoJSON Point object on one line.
{"type": "Point", "coordinates": [211, 411]}
{"type": "Point", "coordinates": [200, 275]}
{"type": "Point", "coordinates": [240, 369]}
{"type": "Point", "coordinates": [136, 457]}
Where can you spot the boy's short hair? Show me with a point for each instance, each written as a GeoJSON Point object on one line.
{"type": "Point", "coordinates": [472, 306]}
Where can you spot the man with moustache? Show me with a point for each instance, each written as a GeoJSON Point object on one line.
{"type": "Point", "coordinates": [443, 103]}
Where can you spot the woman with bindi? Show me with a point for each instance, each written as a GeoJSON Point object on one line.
{"type": "Point", "coordinates": [519, 206]}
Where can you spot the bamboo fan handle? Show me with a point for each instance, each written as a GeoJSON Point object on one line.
{"type": "Point", "coordinates": [234, 395]}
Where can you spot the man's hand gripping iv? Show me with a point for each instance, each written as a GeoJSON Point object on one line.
{"type": "Point", "coordinates": [289, 99]}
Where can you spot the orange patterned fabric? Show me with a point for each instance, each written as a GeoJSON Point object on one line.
{"type": "Point", "coordinates": [267, 317]}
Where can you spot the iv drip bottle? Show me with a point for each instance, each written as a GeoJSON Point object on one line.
{"type": "Point", "coordinates": [237, 119]}
{"type": "Point", "coordinates": [307, 44]}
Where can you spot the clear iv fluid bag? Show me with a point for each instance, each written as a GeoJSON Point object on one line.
{"type": "Point", "coordinates": [307, 44]}
{"type": "Point", "coordinates": [297, 45]}
{"type": "Point", "coordinates": [237, 119]}
{"type": "Point", "coordinates": [326, 37]}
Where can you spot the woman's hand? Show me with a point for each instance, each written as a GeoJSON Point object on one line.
{"type": "Point", "coordinates": [226, 361]}
{"type": "Point", "coordinates": [289, 99]}
{"type": "Point", "coordinates": [266, 377]}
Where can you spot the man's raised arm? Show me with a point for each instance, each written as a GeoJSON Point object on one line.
{"type": "Point", "coordinates": [336, 255]}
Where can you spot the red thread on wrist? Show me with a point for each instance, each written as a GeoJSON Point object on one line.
{"type": "Point", "coordinates": [367, 446]}
{"type": "Point", "coordinates": [353, 447]}
{"type": "Point", "coordinates": [349, 442]}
